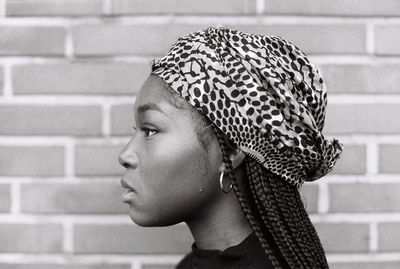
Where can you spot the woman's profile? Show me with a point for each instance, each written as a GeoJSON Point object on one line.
{"type": "Point", "coordinates": [228, 126]}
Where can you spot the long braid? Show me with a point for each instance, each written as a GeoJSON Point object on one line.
{"type": "Point", "coordinates": [248, 209]}
{"type": "Point", "coordinates": [299, 232]}
{"type": "Point", "coordinates": [302, 232]}
{"type": "Point", "coordinates": [270, 213]}
{"type": "Point", "coordinates": [308, 248]}
{"type": "Point", "coordinates": [254, 185]}
{"type": "Point", "coordinates": [277, 215]}
{"type": "Point", "coordinates": [294, 233]}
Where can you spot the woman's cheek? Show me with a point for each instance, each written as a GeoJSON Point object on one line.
{"type": "Point", "coordinates": [174, 174]}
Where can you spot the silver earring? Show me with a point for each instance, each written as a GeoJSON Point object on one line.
{"type": "Point", "coordinates": [221, 184]}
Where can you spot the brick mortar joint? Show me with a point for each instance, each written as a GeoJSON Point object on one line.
{"type": "Point", "coordinates": [2, 8]}
{"type": "Point", "coordinates": [168, 20]}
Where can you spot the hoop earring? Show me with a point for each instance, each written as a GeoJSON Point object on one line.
{"type": "Point", "coordinates": [221, 184]}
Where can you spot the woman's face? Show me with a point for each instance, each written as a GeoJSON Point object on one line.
{"type": "Point", "coordinates": [170, 177]}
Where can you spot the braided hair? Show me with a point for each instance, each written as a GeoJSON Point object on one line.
{"type": "Point", "coordinates": [276, 213]}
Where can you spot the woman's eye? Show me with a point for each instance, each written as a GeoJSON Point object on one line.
{"type": "Point", "coordinates": [148, 132]}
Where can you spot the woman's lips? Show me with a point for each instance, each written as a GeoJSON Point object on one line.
{"type": "Point", "coordinates": [128, 195]}
{"type": "Point", "coordinates": [125, 185]}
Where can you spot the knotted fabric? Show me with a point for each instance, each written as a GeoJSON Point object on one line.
{"type": "Point", "coordinates": [261, 92]}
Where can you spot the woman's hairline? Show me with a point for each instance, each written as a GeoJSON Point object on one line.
{"type": "Point", "coordinates": [203, 127]}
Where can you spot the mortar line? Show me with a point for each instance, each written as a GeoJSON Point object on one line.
{"type": "Point", "coordinates": [3, 7]}
{"type": "Point", "coordinates": [350, 99]}
{"type": "Point", "coordinates": [373, 236]}
{"type": "Point", "coordinates": [69, 44]}
{"type": "Point", "coordinates": [75, 100]}
{"type": "Point", "coordinates": [165, 19]}
{"type": "Point", "coordinates": [7, 80]}
{"type": "Point", "coordinates": [156, 259]}
{"type": "Point", "coordinates": [364, 257]}
{"type": "Point", "coordinates": [69, 159]}
{"type": "Point", "coordinates": [355, 217]}
{"type": "Point", "coordinates": [323, 197]}
{"type": "Point", "coordinates": [15, 207]}
{"type": "Point", "coordinates": [338, 59]}
{"type": "Point", "coordinates": [61, 141]}
{"type": "Point", "coordinates": [106, 120]}
{"type": "Point", "coordinates": [89, 258]}
{"type": "Point", "coordinates": [136, 265]}
{"type": "Point", "coordinates": [107, 7]}
{"type": "Point", "coordinates": [370, 37]}
{"type": "Point", "coordinates": [260, 7]}
{"type": "Point", "coordinates": [372, 158]}
{"type": "Point", "coordinates": [68, 236]}
{"type": "Point", "coordinates": [54, 100]}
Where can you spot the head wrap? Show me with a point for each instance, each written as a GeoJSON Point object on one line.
{"type": "Point", "coordinates": [261, 92]}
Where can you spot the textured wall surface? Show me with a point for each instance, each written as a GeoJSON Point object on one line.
{"type": "Point", "coordinates": [69, 71]}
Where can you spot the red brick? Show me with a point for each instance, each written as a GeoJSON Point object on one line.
{"type": "Point", "coordinates": [63, 266]}
{"type": "Point", "coordinates": [365, 265]}
{"type": "Point", "coordinates": [50, 120]}
{"type": "Point", "coordinates": [363, 197]}
{"type": "Point", "coordinates": [179, 7]}
{"type": "Point", "coordinates": [352, 161]}
{"type": "Point", "coordinates": [88, 198]}
{"type": "Point", "coordinates": [122, 119]}
{"type": "Point", "coordinates": [133, 239]}
{"type": "Point", "coordinates": [157, 266]}
{"type": "Point", "coordinates": [31, 161]}
{"type": "Point", "coordinates": [364, 78]}
{"type": "Point", "coordinates": [387, 39]}
{"type": "Point", "coordinates": [343, 237]}
{"type": "Point", "coordinates": [362, 118]}
{"type": "Point", "coordinates": [5, 198]}
{"type": "Point", "coordinates": [26, 40]}
{"type": "Point", "coordinates": [309, 195]}
{"type": "Point", "coordinates": [32, 238]}
{"type": "Point", "coordinates": [106, 160]}
{"type": "Point", "coordinates": [388, 237]}
{"type": "Point", "coordinates": [321, 39]}
{"type": "Point", "coordinates": [389, 159]}
{"type": "Point", "coordinates": [53, 8]}
{"type": "Point", "coordinates": [137, 39]}
{"type": "Point", "coordinates": [79, 78]}
{"type": "Point", "coordinates": [338, 7]}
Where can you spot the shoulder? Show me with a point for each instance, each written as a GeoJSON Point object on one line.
{"type": "Point", "coordinates": [185, 262]}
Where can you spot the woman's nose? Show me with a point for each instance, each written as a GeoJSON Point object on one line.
{"type": "Point", "coordinates": [128, 157]}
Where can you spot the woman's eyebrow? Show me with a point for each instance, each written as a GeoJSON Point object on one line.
{"type": "Point", "coordinates": [149, 106]}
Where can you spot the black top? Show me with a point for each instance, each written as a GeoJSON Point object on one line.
{"type": "Point", "coordinates": [248, 254]}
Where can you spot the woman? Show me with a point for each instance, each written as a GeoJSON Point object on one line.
{"type": "Point", "coordinates": [227, 110]}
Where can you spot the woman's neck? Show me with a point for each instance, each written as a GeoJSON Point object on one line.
{"type": "Point", "coordinates": [221, 226]}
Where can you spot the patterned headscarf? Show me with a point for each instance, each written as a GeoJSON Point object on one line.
{"type": "Point", "coordinates": [261, 92]}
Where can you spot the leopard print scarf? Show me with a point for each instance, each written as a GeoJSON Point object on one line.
{"type": "Point", "coordinates": [261, 92]}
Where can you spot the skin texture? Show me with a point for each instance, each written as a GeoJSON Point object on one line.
{"type": "Point", "coordinates": [174, 178]}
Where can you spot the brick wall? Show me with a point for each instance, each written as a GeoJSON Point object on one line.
{"type": "Point", "coordinates": [69, 71]}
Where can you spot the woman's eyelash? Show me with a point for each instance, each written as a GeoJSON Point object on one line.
{"type": "Point", "coordinates": [148, 132]}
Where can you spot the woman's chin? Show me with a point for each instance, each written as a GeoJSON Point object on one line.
{"type": "Point", "coordinates": [144, 220]}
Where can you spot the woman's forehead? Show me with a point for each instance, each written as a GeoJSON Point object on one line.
{"type": "Point", "coordinates": [152, 97]}
{"type": "Point", "coordinates": [150, 92]}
